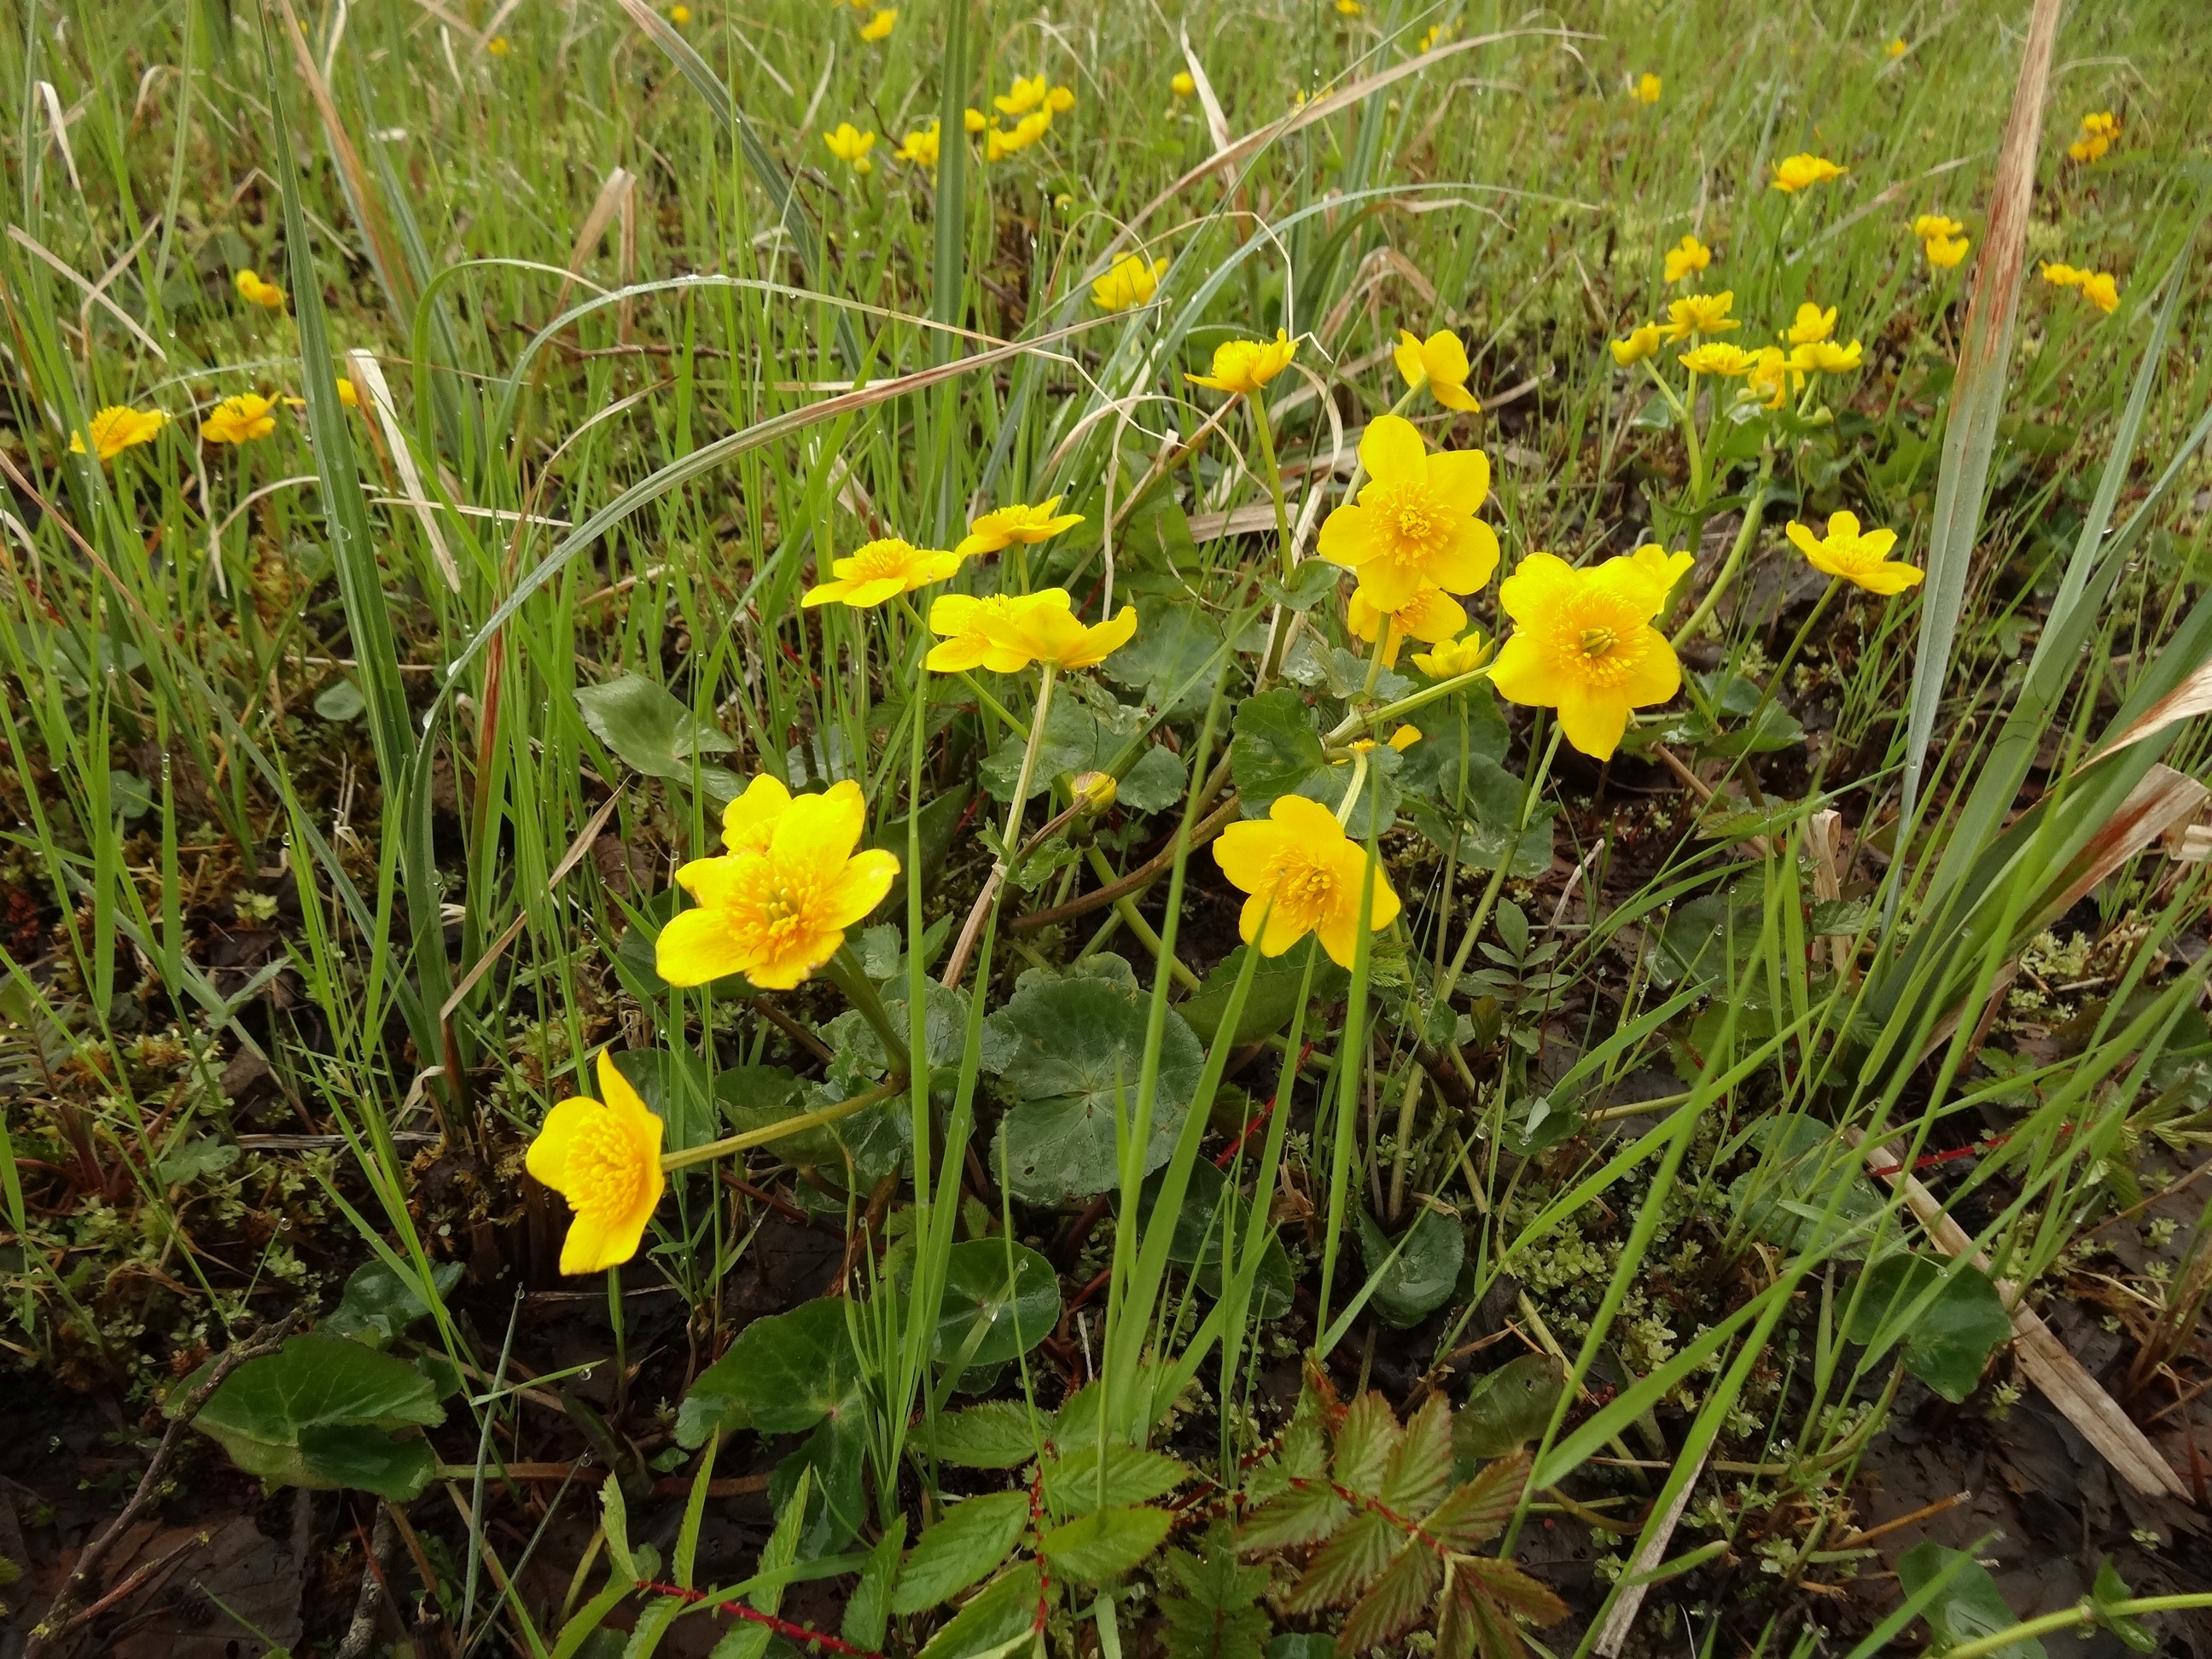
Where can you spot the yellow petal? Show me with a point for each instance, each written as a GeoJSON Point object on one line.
{"type": "Point", "coordinates": [1392, 449]}
{"type": "Point", "coordinates": [1593, 721]}
{"type": "Point", "coordinates": [548, 1155]}
{"type": "Point", "coordinates": [695, 947]}
{"type": "Point", "coordinates": [1461, 479]}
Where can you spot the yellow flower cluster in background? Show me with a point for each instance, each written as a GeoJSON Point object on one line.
{"type": "Point", "coordinates": [774, 907]}
{"type": "Point", "coordinates": [1130, 281]}
{"type": "Point", "coordinates": [2100, 288]}
{"type": "Point", "coordinates": [1943, 239]}
{"type": "Point", "coordinates": [1030, 103]}
{"type": "Point", "coordinates": [1647, 88]}
{"type": "Point", "coordinates": [879, 24]}
{"type": "Point", "coordinates": [254, 286]}
{"type": "Point", "coordinates": [1686, 258]}
{"type": "Point", "coordinates": [2099, 132]}
{"type": "Point", "coordinates": [1803, 171]}
{"type": "Point", "coordinates": [921, 147]}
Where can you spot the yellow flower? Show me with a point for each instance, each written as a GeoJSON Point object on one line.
{"type": "Point", "coordinates": [1664, 570]}
{"type": "Point", "coordinates": [1437, 32]}
{"type": "Point", "coordinates": [1583, 644]}
{"type": "Point", "coordinates": [1001, 527]}
{"type": "Point", "coordinates": [920, 147]}
{"type": "Point", "coordinates": [1022, 96]}
{"type": "Point", "coordinates": [605, 1160]}
{"type": "Point", "coordinates": [1686, 258]}
{"type": "Point", "coordinates": [1453, 658]}
{"type": "Point", "coordinates": [1350, 8]}
{"type": "Point", "coordinates": [679, 14]}
{"type": "Point", "coordinates": [496, 45]}
{"type": "Point", "coordinates": [1304, 875]}
{"type": "Point", "coordinates": [1183, 86]}
{"type": "Point", "coordinates": [1431, 617]}
{"type": "Point", "coordinates": [1643, 341]}
{"type": "Point", "coordinates": [1031, 128]}
{"type": "Point", "coordinates": [2101, 289]}
{"type": "Point", "coordinates": [1130, 281]}
{"type": "Point", "coordinates": [1860, 559]}
{"type": "Point", "coordinates": [1700, 313]}
{"type": "Point", "coordinates": [1929, 226]}
{"type": "Point", "coordinates": [1945, 251]}
{"type": "Point", "coordinates": [1826, 357]}
{"type": "Point", "coordinates": [974, 119]}
{"type": "Point", "coordinates": [1772, 377]}
{"type": "Point", "coordinates": [1647, 88]}
{"type": "Point", "coordinates": [1438, 362]}
{"type": "Point", "coordinates": [1803, 171]}
{"type": "Point", "coordinates": [118, 427]}
{"type": "Point", "coordinates": [347, 394]}
{"type": "Point", "coordinates": [778, 909]}
{"type": "Point", "coordinates": [880, 570]}
{"type": "Point", "coordinates": [1415, 524]}
{"type": "Point", "coordinates": [1405, 738]}
{"type": "Point", "coordinates": [2098, 132]}
{"type": "Point", "coordinates": [850, 145]}
{"type": "Point", "coordinates": [253, 287]}
{"type": "Point", "coordinates": [1812, 324]}
{"type": "Point", "coordinates": [1896, 46]}
{"type": "Point", "coordinates": [1059, 99]}
{"type": "Point", "coordinates": [1719, 357]}
{"type": "Point", "coordinates": [749, 822]}
{"type": "Point", "coordinates": [1005, 634]}
{"type": "Point", "coordinates": [1248, 365]}
{"type": "Point", "coordinates": [998, 145]}
{"type": "Point", "coordinates": [240, 420]}
{"type": "Point", "coordinates": [880, 24]}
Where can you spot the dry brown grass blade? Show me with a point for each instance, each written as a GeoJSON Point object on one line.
{"type": "Point", "coordinates": [2163, 800]}
{"type": "Point", "coordinates": [2049, 1364]}
{"type": "Point", "coordinates": [2192, 697]}
{"type": "Point", "coordinates": [1319, 110]}
{"type": "Point", "coordinates": [614, 191]}
{"type": "Point", "coordinates": [368, 381]}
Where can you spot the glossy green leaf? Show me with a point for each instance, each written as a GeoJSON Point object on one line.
{"type": "Point", "coordinates": [647, 729]}
{"type": "Point", "coordinates": [1949, 1341]}
{"type": "Point", "coordinates": [267, 1413]}
{"type": "Point", "coordinates": [964, 1549]}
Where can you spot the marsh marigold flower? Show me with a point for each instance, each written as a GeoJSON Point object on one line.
{"type": "Point", "coordinates": [921, 147]}
{"type": "Point", "coordinates": [240, 420]}
{"type": "Point", "coordinates": [881, 570]}
{"type": "Point", "coordinates": [1719, 357]}
{"type": "Point", "coordinates": [777, 910]}
{"type": "Point", "coordinates": [1643, 341]}
{"type": "Point", "coordinates": [1812, 325]}
{"type": "Point", "coordinates": [1647, 88]}
{"type": "Point", "coordinates": [1860, 558]}
{"type": "Point", "coordinates": [1826, 357]}
{"type": "Point", "coordinates": [1001, 527]}
{"type": "Point", "coordinates": [1415, 524]}
{"type": "Point", "coordinates": [1803, 171]}
{"type": "Point", "coordinates": [879, 25]}
{"type": "Point", "coordinates": [1182, 85]}
{"type": "Point", "coordinates": [118, 427]}
{"type": "Point", "coordinates": [1583, 643]}
{"type": "Point", "coordinates": [1431, 617]}
{"type": "Point", "coordinates": [606, 1160]}
{"type": "Point", "coordinates": [1130, 282]}
{"type": "Point", "coordinates": [1686, 258]}
{"type": "Point", "coordinates": [975, 633]}
{"type": "Point", "coordinates": [254, 286]}
{"type": "Point", "coordinates": [1664, 570]}
{"type": "Point", "coordinates": [1248, 365]}
{"type": "Point", "coordinates": [850, 145]}
{"type": "Point", "coordinates": [1453, 658]}
{"type": "Point", "coordinates": [1005, 634]}
{"type": "Point", "coordinates": [1700, 313]}
{"type": "Point", "coordinates": [1304, 875]}
{"type": "Point", "coordinates": [1771, 378]}
{"type": "Point", "coordinates": [1439, 363]}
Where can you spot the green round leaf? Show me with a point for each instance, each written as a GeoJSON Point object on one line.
{"type": "Point", "coordinates": [1015, 1311]}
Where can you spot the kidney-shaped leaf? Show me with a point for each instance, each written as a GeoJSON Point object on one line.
{"type": "Point", "coordinates": [1947, 1343]}
{"type": "Point", "coordinates": [1015, 1302]}
{"type": "Point", "coordinates": [783, 1375]}
{"type": "Point", "coordinates": [268, 1407]}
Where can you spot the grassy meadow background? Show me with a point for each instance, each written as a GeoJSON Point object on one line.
{"type": "Point", "coordinates": [347, 769]}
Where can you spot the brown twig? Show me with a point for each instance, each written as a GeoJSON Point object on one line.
{"type": "Point", "coordinates": [65, 1618]}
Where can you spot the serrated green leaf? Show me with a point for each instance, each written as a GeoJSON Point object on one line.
{"type": "Point", "coordinates": [1364, 1440]}
{"type": "Point", "coordinates": [1345, 1565]}
{"type": "Point", "coordinates": [1074, 1483]}
{"type": "Point", "coordinates": [999, 1434]}
{"type": "Point", "coordinates": [1208, 1604]}
{"type": "Point", "coordinates": [964, 1549]}
{"type": "Point", "coordinates": [1420, 1469]}
{"type": "Point", "coordinates": [867, 1615]}
{"type": "Point", "coordinates": [1394, 1602]}
{"type": "Point", "coordinates": [1105, 1543]}
{"type": "Point", "coordinates": [1304, 1513]}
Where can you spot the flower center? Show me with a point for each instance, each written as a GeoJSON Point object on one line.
{"type": "Point", "coordinates": [883, 559]}
{"type": "Point", "coordinates": [602, 1174]}
{"type": "Point", "coordinates": [1303, 889]}
{"type": "Point", "coordinates": [1598, 641]}
{"type": "Point", "coordinates": [1412, 521]}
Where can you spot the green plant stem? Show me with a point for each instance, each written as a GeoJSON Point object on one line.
{"type": "Point", "coordinates": [1265, 432]}
{"type": "Point", "coordinates": [1029, 763]}
{"type": "Point", "coordinates": [2083, 1616]}
{"type": "Point", "coordinates": [1351, 791]}
{"type": "Point", "coordinates": [844, 971]}
{"type": "Point", "coordinates": [893, 1085]}
{"type": "Point", "coordinates": [1731, 566]}
{"type": "Point", "coordinates": [1351, 725]}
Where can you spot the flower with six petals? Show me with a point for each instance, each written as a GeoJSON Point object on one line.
{"type": "Point", "coordinates": [1304, 875]}
{"type": "Point", "coordinates": [1860, 558]}
{"type": "Point", "coordinates": [1415, 524]}
{"type": "Point", "coordinates": [778, 909]}
{"type": "Point", "coordinates": [1439, 363]}
{"type": "Point", "coordinates": [879, 571]}
{"type": "Point", "coordinates": [1583, 643]}
{"type": "Point", "coordinates": [1247, 365]}
{"type": "Point", "coordinates": [605, 1160]}
{"type": "Point", "coordinates": [118, 427]}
